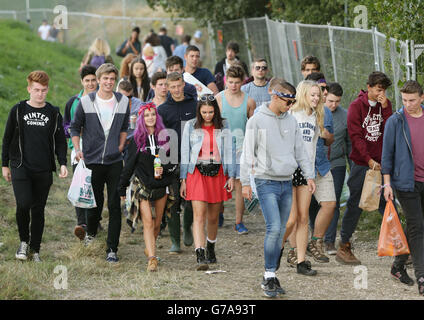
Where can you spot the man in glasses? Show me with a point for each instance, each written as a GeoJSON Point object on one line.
{"type": "Point", "coordinates": [323, 202]}
{"type": "Point", "coordinates": [273, 137]}
{"type": "Point", "coordinates": [258, 88]}
{"type": "Point", "coordinates": [308, 65]}
{"type": "Point", "coordinates": [179, 107]}
{"type": "Point", "coordinates": [236, 106]}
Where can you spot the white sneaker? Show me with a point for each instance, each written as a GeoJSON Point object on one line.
{"type": "Point", "coordinates": [88, 240]}
{"type": "Point", "coordinates": [22, 253]}
{"type": "Point", "coordinates": [112, 257]}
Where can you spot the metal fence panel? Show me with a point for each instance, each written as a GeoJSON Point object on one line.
{"type": "Point", "coordinates": [346, 54]}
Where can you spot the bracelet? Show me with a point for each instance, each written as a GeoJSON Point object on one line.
{"type": "Point", "coordinates": [386, 185]}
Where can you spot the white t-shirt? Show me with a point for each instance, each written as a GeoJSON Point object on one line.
{"type": "Point", "coordinates": [106, 112]}
{"type": "Point", "coordinates": [44, 31]}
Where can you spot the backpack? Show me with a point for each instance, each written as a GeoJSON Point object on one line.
{"type": "Point", "coordinates": [97, 61]}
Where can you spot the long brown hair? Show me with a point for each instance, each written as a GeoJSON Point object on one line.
{"type": "Point", "coordinates": [217, 120]}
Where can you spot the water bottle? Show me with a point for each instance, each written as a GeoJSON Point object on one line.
{"type": "Point", "coordinates": [157, 165]}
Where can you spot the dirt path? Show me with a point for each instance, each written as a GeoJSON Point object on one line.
{"type": "Point", "coordinates": [89, 276]}
{"type": "Point", "coordinates": [241, 256]}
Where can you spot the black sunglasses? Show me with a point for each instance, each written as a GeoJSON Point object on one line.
{"type": "Point", "coordinates": [289, 102]}
{"type": "Point", "coordinates": [323, 88]}
{"type": "Point", "coordinates": [263, 68]}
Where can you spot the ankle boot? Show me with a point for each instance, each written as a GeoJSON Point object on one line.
{"type": "Point", "coordinates": [210, 252]}
{"type": "Point", "coordinates": [202, 264]}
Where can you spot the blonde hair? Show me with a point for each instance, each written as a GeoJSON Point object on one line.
{"type": "Point", "coordinates": [106, 68]}
{"type": "Point", "coordinates": [148, 51]}
{"type": "Point", "coordinates": [302, 102]}
{"type": "Point", "coordinates": [99, 47]}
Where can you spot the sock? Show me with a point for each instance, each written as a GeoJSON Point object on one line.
{"type": "Point", "coordinates": [268, 275]}
{"type": "Point", "coordinates": [211, 241]}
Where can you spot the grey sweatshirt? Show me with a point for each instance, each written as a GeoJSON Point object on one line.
{"type": "Point", "coordinates": [273, 148]}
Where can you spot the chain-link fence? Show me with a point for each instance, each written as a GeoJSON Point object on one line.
{"type": "Point", "coordinates": [417, 61]}
{"type": "Point", "coordinates": [347, 55]}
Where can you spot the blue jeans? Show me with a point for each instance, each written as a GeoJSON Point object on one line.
{"type": "Point", "coordinates": [339, 174]}
{"type": "Point", "coordinates": [275, 198]}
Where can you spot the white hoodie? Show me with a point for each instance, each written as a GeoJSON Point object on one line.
{"type": "Point", "coordinates": [273, 148]}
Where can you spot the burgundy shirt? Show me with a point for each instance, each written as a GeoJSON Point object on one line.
{"type": "Point", "coordinates": [416, 128]}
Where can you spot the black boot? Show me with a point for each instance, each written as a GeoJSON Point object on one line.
{"type": "Point", "coordinates": [202, 264]}
{"type": "Point", "coordinates": [210, 252]}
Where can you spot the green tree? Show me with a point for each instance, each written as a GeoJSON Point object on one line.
{"type": "Point", "coordinates": [214, 11]}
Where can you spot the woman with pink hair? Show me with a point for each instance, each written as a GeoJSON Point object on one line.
{"type": "Point", "coordinates": [148, 190]}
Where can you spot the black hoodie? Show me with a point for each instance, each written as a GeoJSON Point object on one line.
{"type": "Point", "coordinates": [175, 114]}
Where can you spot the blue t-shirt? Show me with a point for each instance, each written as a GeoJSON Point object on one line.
{"type": "Point", "coordinates": [179, 51]}
{"type": "Point", "coordinates": [259, 94]}
{"type": "Point", "coordinates": [322, 164]}
{"type": "Point", "coordinates": [204, 76]}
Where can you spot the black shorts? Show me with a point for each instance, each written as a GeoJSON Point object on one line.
{"type": "Point", "coordinates": [299, 179]}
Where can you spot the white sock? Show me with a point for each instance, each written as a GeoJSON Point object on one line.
{"type": "Point", "coordinates": [211, 241]}
{"type": "Point", "coordinates": [268, 275]}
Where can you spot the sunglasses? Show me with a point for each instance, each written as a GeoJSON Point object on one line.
{"type": "Point", "coordinates": [289, 102]}
{"type": "Point", "coordinates": [207, 97]}
{"type": "Point", "coordinates": [263, 68]}
{"type": "Point", "coordinates": [323, 88]}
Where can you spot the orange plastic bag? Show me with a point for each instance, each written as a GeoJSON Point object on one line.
{"type": "Point", "coordinates": [392, 240]}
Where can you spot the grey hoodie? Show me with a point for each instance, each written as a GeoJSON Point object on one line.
{"type": "Point", "coordinates": [273, 148]}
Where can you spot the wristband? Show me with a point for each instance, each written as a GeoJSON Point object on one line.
{"type": "Point", "coordinates": [386, 185]}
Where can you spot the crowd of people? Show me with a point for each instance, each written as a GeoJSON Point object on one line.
{"type": "Point", "coordinates": [235, 130]}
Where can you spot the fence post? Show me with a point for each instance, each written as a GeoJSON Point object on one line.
{"type": "Point", "coordinates": [104, 28]}
{"type": "Point", "coordinates": [124, 13]}
{"type": "Point", "coordinates": [271, 55]}
{"type": "Point", "coordinates": [246, 38]}
{"type": "Point", "coordinates": [333, 53]}
{"type": "Point", "coordinates": [375, 47]}
{"type": "Point", "coordinates": [212, 43]}
{"type": "Point", "coordinates": [28, 16]}
{"type": "Point", "coordinates": [285, 53]}
{"type": "Point", "coordinates": [413, 61]}
{"type": "Point", "coordinates": [299, 41]}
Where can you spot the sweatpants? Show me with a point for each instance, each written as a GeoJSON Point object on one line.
{"type": "Point", "coordinates": [31, 191]}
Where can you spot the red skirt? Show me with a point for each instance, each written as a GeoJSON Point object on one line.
{"type": "Point", "coordinates": [208, 189]}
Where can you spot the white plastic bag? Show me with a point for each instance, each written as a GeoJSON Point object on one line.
{"type": "Point", "coordinates": [81, 191]}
